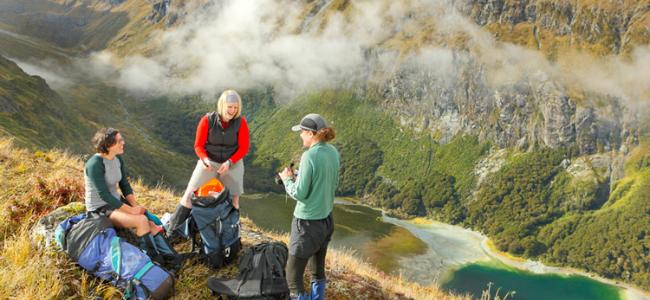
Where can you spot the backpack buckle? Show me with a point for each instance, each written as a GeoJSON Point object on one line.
{"type": "Point", "coordinates": [227, 252]}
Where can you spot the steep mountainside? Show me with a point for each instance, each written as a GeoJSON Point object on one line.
{"type": "Point", "coordinates": [35, 114]}
{"type": "Point", "coordinates": [441, 114]}
{"type": "Point", "coordinates": [535, 110]}
{"type": "Point", "coordinates": [454, 80]}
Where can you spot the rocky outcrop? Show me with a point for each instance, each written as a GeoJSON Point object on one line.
{"type": "Point", "coordinates": [115, 2]}
{"type": "Point", "coordinates": [614, 25]}
{"type": "Point", "coordinates": [43, 233]}
{"type": "Point", "coordinates": [533, 111]}
{"type": "Point", "coordinates": [159, 10]}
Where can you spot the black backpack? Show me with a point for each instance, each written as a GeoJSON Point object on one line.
{"type": "Point", "coordinates": [261, 274]}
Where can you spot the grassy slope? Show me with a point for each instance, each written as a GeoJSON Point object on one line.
{"type": "Point", "coordinates": [35, 114]}
{"type": "Point", "coordinates": [149, 155]}
{"type": "Point", "coordinates": [40, 182]}
{"type": "Point", "coordinates": [75, 25]}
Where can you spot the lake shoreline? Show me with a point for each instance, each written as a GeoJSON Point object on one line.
{"type": "Point", "coordinates": [628, 292]}
{"type": "Point", "coordinates": [457, 237]}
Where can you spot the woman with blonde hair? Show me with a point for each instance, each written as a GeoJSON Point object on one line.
{"type": "Point", "coordinates": [222, 141]}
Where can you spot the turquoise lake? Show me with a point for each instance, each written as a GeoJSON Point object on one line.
{"type": "Point", "coordinates": [447, 255]}
{"type": "Point", "coordinates": [475, 278]}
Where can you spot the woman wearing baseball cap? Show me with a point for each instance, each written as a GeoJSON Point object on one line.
{"type": "Point", "coordinates": [312, 225]}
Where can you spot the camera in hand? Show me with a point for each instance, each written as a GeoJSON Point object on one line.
{"type": "Point", "coordinates": [278, 179]}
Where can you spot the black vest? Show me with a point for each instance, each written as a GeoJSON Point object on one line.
{"type": "Point", "coordinates": [222, 143]}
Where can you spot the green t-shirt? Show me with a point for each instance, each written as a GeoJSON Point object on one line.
{"type": "Point", "coordinates": [317, 181]}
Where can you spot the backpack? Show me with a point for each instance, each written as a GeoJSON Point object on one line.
{"type": "Point", "coordinates": [213, 226]}
{"type": "Point", "coordinates": [91, 241]}
{"type": "Point", "coordinates": [261, 274]}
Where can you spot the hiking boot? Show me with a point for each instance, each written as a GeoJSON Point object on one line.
{"type": "Point", "coordinates": [163, 246]}
{"type": "Point", "coordinates": [318, 289]}
{"type": "Point", "coordinates": [180, 215]}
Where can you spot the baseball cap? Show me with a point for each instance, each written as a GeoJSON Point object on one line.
{"type": "Point", "coordinates": [312, 122]}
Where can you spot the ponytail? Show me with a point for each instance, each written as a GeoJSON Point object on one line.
{"type": "Point", "coordinates": [326, 134]}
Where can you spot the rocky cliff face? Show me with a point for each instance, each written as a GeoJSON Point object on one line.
{"type": "Point", "coordinates": [534, 111]}
{"type": "Point", "coordinates": [599, 26]}
{"type": "Point", "coordinates": [459, 94]}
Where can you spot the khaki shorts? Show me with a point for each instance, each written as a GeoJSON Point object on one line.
{"type": "Point", "coordinates": [233, 179]}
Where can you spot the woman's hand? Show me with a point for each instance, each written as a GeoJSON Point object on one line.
{"type": "Point", "coordinates": [138, 210]}
{"type": "Point", "coordinates": [286, 173]}
{"type": "Point", "coordinates": [207, 164]}
{"type": "Point", "coordinates": [224, 167]}
{"type": "Point", "coordinates": [140, 207]}
{"type": "Point", "coordinates": [132, 210]}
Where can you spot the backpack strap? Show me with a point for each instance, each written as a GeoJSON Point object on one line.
{"type": "Point", "coordinates": [143, 270]}
{"type": "Point", "coordinates": [116, 256]}
{"type": "Point", "coordinates": [129, 292]}
{"type": "Point", "coordinates": [245, 267]}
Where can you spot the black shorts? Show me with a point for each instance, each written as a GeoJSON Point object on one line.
{"type": "Point", "coordinates": [104, 210]}
{"type": "Point", "coordinates": [309, 236]}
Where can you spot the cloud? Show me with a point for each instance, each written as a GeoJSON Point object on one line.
{"type": "Point", "coordinates": [627, 78]}
{"type": "Point", "coordinates": [244, 44]}
{"type": "Point", "coordinates": [252, 43]}
{"type": "Point", "coordinates": [48, 70]}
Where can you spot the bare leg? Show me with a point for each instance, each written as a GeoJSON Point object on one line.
{"type": "Point", "coordinates": [124, 220]}
{"type": "Point", "coordinates": [200, 176]}
{"type": "Point", "coordinates": [235, 201]}
{"type": "Point", "coordinates": [186, 199]}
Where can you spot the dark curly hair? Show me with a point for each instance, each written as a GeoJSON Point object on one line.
{"type": "Point", "coordinates": [104, 139]}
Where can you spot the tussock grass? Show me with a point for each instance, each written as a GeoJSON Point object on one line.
{"type": "Point", "coordinates": [36, 183]}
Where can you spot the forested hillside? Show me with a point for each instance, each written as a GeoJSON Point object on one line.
{"type": "Point", "coordinates": [548, 204]}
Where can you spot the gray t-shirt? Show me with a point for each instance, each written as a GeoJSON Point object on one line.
{"type": "Point", "coordinates": [112, 176]}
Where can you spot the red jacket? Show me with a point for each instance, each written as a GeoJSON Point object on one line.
{"type": "Point", "coordinates": [202, 136]}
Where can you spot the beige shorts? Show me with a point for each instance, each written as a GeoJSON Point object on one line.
{"type": "Point", "coordinates": [233, 179]}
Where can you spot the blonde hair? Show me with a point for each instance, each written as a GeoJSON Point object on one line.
{"type": "Point", "coordinates": [221, 103]}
